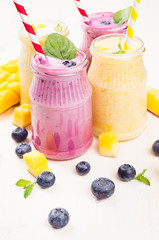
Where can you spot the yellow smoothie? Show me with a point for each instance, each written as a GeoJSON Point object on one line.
{"type": "Point", "coordinates": [119, 87]}
{"type": "Point", "coordinates": [42, 29]}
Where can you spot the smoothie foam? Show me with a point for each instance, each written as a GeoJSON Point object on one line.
{"type": "Point", "coordinates": [103, 22]}
{"type": "Point", "coordinates": [110, 45]}
{"type": "Point", "coordinates": [51, 65]}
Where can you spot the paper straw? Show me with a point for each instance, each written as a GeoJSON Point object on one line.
{"type": "Point", "coordinates": [29, 27]}
{"type": "Point", "coordinates": [132, 23]}
{"type": "Point", "coordinates": [82, 11]}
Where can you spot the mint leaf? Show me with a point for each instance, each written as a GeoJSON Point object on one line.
{"type": "Point", "coordinates": [28, 190]}
{"type": "Point", "coordinates": [59, 47]}
{"type": "Point", "coordinates": [22, 183]}
{"type": "Point", "coordinates": [58, 28]}
{"type": "Point", "coordinates": [142, 178]}
{"type": "Point", "coordinates": [119, 45]}
{"type": "Point", "coordinates": [122, 16]}
{"type": "Point", "coordinates": [121, 50]}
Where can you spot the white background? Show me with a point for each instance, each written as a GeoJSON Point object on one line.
{"type": "Point", "coordinates": [133, 211]}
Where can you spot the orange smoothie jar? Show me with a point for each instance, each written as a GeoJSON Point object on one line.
{"type": "Point", "coordinates": [119, 87]}
{"type": "Point", "coordinates": [43, 28]}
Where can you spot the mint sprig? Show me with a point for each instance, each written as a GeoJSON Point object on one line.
{"type": "Point", "coordinates": [59, 47]}
{"type": "Point", "coordinates": [122, 16]}
{"type": "Point", "coordinates": [27, 185]}
{"type": "Point", "coordinates": [22, 183]}
{"type": "Point", "coordinates": [121, 50]}
{"type": "Point", "coordinates": [28, 190]}
{"type": "Point", "coordinates": [142, 178]}
{"type": "Point", "coordinates": [58, 28]}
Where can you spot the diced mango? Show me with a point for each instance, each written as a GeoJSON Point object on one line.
{"type": "Point", "coordinates": [9, 85]}
{"type": "Point", "coordinates": [1, 70]}
{"type": "Point", "coordinates": [15, 87]}
{"type": "Point", "coordinates": [3, 85]}
{"type": "Point", "coordinates": [22, 116]}
{"type": "Point", "coordinates": [153, 100]}
{"type": "Point", "coordinates": [8, 99]}
{"type": "Point", "coordinates": [14, 77]}
{"type": "Point", "coordinates": [108, 144]}
{"type": "Point", "coordinates": [36, 162]}
{"type": "Point", "coordinates": [3, 76]}
{"type": "Point", "coordinates": [10, 66]}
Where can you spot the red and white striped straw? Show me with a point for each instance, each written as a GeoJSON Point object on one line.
{"type": "Point", "coordinates": [29, 27]}
{"type": "Point", "coordinates": [82, 11]}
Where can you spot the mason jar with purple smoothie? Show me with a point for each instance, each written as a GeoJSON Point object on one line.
{"type": "Point", "coordinates": [101, 23]}
{"type": "Point", "coordinates": [61, 106]}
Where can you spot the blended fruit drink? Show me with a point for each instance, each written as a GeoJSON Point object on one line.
{"type": "Point", "coordinates": [118, 81]}
{"type": "Point", "coordinates": [101, 24]}
{"type": "Point", "coordinates": [27, 51]}
{"type": "Point", "coordinates": [61, 106]}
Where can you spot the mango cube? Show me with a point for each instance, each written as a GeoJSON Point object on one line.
{"type": "Point", "coordinates": [15, 87]}
{"type": "Point", "coordinates": [10, 66]}
{"type": "Point", "coordinates": [1, 70]}
{"type": "Point", "coordinates": [7, 99]}
{"type": "Point", "coordinates": [22, 115]}
{"type": "Point", "coordinates": [153, 100]}
{"type": "Point", "coordinates": [14, 77]}
{"type": "Point", "coordinates": [108, 144]}
{"type": "Point", "coordinates": [3, 76]}
{"type": "Point", "coordinates": [3, 85]}
{"type": "Point", "coordinates": [36, 162]}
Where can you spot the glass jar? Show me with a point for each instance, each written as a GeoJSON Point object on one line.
{"type": "Point", "coordinates": [61, 110]}
{"type": "Point", "coordinates": [97, 28]}
{"type": "Point", "coordinates": [27, 51]}
{"type": "Point", "coordinates": [119, 90]}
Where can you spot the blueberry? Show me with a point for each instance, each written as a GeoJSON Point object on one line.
{"type": "Point", "coordinates": [155, 148]}
{"type": "Point", "coordinates": [126, 172]}
{"type": "Point", "coordinates": [58, 217]}
{"type": "Point", "coordinates": [66, 62]}
{"type": "Point", "coordinates": [19, 134]}
{"type": "Point", "coordinates": [45, 179]}
{"type": "Point", "coordinates": [22, 148]}
{"type": "Point", "coordinates": [106, 22]}
{"type": "Point", "coordinates": [69, 63]}
{"type": "Point", "coordinates": [83, 168]}
{"type": "Point", "coordinates": [102, 188]}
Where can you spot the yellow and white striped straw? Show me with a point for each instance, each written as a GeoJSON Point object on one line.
{"type": "Point", "coordinates": [132, 22]}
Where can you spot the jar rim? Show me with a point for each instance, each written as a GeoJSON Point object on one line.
{"type": "Point", "coordinates": [23, 34]}
{"type": "Point", "coordinates": [92, 29]}
{"type": "Point", "coordinates": [127, 55]}
{"type": "Point", "coordinates": [59, 72]}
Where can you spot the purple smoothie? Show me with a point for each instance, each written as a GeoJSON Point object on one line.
{"type": "Point", "coordinates": [101, 24]}
{"type": "Point", "coordinates": [61, 107]}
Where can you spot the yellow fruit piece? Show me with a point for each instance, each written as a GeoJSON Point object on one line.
{"type": "Point", "coordinates": [3, 85]}
{"type": "Point", "coordinates": [1, 70]}
{"type": "Point", "coordinates": [40, 25]}
{"type": "Point", "coordinates": [102, 48]}
{"type": "Point", "coordinates": [14, 77]}
{"type": "Point", "coordinates": [8, 99]}
{"type": "Point", "coordinates": [10, 66]}
{"type": "Point", "coordinates": [22, 116]}
{"type": "Point", "coordinates": [15, 87]}
{"type": "Point", "coordinates": [3, 76]}
{"type": "Point", "coordinates": [153, 100]}
{"type": "Point", "coordinates": [36, 162]}
{"type": "Point", "coordinates": [108, 144]}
